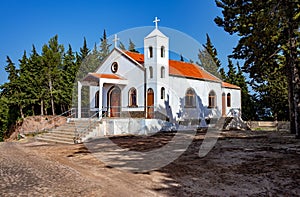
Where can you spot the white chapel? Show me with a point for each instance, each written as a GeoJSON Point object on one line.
{"type": "Point", "coordinates": [151, 86]}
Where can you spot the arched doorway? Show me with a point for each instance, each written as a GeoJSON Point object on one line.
{"type": "Point", "coordinates": [114, 101]}
{"type": "Point", "coordinates": [97, 99]}
{"type": "Point", "coordinates": [150, 103]}
{"type": "Point", "coordinates": [223, 104]}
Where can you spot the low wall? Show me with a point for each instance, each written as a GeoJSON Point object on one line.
{"type": "Point", "coordinates": [131, 126]}
{"type": "Point", "coordinates": [270, 125]}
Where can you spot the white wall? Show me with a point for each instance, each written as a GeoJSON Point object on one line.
{"type": "Point", "coordinates": [126, 69]}
{"type": "Point", "coordinates": [235, 98]}
{"type": "Point", "coordinates": [178, 88]}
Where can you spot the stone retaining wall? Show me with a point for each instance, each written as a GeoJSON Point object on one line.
{"type": "Point", "coordinates": [270, 125]}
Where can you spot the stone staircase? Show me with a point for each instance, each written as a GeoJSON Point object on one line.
{"type": "Point", "coordinates": [66, 133]}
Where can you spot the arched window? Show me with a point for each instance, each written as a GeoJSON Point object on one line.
{"type": "Point", "coordinates": [162, 72]}
{"type": "Point", "coordinates": [190, 98]}
{"type": "Point", "coordinates": [212, 99]}
{"type": "Point", "coordinates": [97, 99]}
{"type": "Point", "coordinates": [162, 93]}
{"type": "Point", "coordinates": [150, 52]}
{"type": "Point", "coordinates": [162, 51]}
{"type": "Point", "coordinates": [132, 98]}
{"type": "Point", "coordinates": [228, 100]}
{"type": "Point", "coordinates": [151, 72]}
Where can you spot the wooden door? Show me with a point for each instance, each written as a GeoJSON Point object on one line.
{"type": "Point", "coordinates": [150, 103]}
{"type": "Point", "coordinates": [115, 102]}
{"type": "Point", "coordinates": [223, 104]}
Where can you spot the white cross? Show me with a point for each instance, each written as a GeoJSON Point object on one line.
{"type": "Point", "coordinates": [156, 22]}
{"type": "Point", "coordinates": [115, 40]}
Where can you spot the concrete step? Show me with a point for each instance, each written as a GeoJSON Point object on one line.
{"type": "Point", "coordinates": [66, 133]}
{"type": "Point", "coordinates": [62, 134]}
{"type": "Point", "coordinates": [56, 137]}
{"type": "Point", "coordinates": [60, 141]}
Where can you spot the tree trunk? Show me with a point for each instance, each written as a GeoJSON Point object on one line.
{"type": "Point", "coordinates": [296, 88]}
{"type": "Point", "coordinates": [21, 112]}
{"type": "Point", "coordinates": [33, 112]}
{"type": "Point", "coordinates": [293, 70]}
{"type": "Point", "coordinates": [52, 99]}
{"type": "Point", "coordinates": [42, 107]}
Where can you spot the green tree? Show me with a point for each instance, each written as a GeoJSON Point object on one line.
{"type": "Point", "coordinates": [267, 30]}
{"type": "Point", "coordinates": [36, 81]}
{"type": "Point", "coordinates": [52, 63]}
{"type": "Point", "coordinates": [236, 77]}
{"type": "Point", "coordinates": [208, 58]}
{"type": "Point", "coordinates": [70, 69]}
{"type": "Point", "coordinates": [231, 74]}
{"type": "Point", "coordinates": [4, 116]}
{"type": "Point", "coordinates": [13, 88]}
{"type": "Point", "coordinates": [222, 74]}
{"type": "Point", "coordinates": [10, 92]}
{"type": "Point", "coordinates": [122, 46]}
{"type": "Point", "coordinates": [104, 47]}
{"type": "Point", "coordinates": [131, 47]}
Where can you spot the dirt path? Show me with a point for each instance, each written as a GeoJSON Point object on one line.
{"type": "Point", "coordinates": [241, 164]}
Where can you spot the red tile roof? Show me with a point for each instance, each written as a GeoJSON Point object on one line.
{"type": "Point", "coordinates": [189, 70]}
{"type": "Point", "coordinates": [184, 69]}
{"type": "Point", "coordinates": [136, 56]}
{"type": "Point", "coordinates": [178, 68]}
{"type": "Point", "coordinates": [106, 76]}
{"type": "Point", "coordinates": [228, 85]}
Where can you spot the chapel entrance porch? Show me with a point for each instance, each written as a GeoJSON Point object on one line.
{"type": "Point", "coordinates": [114, 102]}
{"type": "Point", "coordinates": [105, 94]}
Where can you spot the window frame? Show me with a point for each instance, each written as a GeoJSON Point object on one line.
{"type": "Point", "coordinates": [97, 104]}
{"type": "Point", "coordinates": [130, 97]}
{"type": "Point", "coordinates": [150, 52]}
{"type": "Point", "coordinates": [162, 51]}
{"type": "Point", "coordinates": [228, 100]}
{"type": "Point", "coordinates": [190, 98]}
{"type": "Point", "coordinates": [162, 72]}
{"type": "Point", "coordinates": [162, 93]}
{"type": "Point", "coordinates": [151, 72]}
{"type": "Point", "coordinates": [212, 99]}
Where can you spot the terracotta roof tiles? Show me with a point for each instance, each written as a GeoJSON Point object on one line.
{"type": "Point", "coordinates": [184, 69]}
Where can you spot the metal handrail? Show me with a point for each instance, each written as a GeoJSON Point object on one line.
{"type": "Point", "coordinates": [231, 112]}
{"type": "Point", "coordinates": [92, 120]}
{"type": "Point", "coordinates": [60, 115]}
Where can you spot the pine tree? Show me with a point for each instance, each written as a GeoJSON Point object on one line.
{"type": "Point", "coordinates": [69, 73]}
{"type": "Point", "coordinates": [212, 51]}
{"type": "Point", "coordinates": [231, 74]}
{"type": "Point", "coordinates": [4, 117]}
{"type": "Point", "coordinates": [263, 42]}
{"type": "Point", "coordinates": [84, 51]}
{"type": "Point", "coordinates": [237, 78]}
{"type": "Point", "coordinates": [38, 86]}
{"type": "Point", "coordinates": [13, 89]}
{"type": "Point", "coordinates": [208, 58]}
{"type": "Point", "coordinates": [52, 62]}
{"type": "Point", "coordinates": [132, 47]}
{"type": "Point", "coordinates": [181, 58]}
{"type": "Point", "coordinates": [9, 96]}
{"type": "Point", "coordinates": [104, 47]}
{"type": "Point", "coordinates": [122, 46]}
{"type": "Point", "coordinates": [222, 74]}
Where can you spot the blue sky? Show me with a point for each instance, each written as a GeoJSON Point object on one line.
{"type": "Point", "coordinates": [27, 22]}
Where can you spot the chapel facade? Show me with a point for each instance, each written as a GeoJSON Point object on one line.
{"type": "Point", "coordinates": [151, 86]}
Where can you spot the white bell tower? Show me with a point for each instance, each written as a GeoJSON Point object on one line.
{"type": "Point", "coordinates": [156, 59]}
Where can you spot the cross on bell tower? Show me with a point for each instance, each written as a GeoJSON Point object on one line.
{"type": "Point", "coordinates": [115, 40]}
{"type": "Point", "coordinates": [156, 20]}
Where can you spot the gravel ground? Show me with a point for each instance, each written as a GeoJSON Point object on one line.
{"type": "Point", "coordinates": [241, 164]}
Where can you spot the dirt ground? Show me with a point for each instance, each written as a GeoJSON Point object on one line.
{"type": "Point", "coordinates": [242, 163]}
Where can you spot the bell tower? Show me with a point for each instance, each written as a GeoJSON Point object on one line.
{"type": "Point", "coordinates": [156, 60]}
